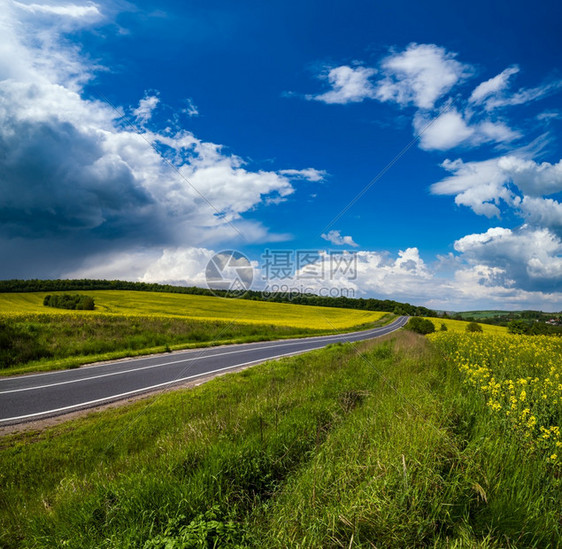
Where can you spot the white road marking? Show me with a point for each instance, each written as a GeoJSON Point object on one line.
{"type": "Point", "coordinates": [203, 357]}
{"type": "Point", "coordinates": [140, 368]}
{"type": "Point", "coordinates": [383, 331]}
{"type": "Point", "coordinates": [145, 389]}
{"type": "Point", "coordinates": [183, 351]}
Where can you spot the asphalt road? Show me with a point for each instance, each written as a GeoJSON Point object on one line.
{"type": "Point", "coordinates": [37, 396]}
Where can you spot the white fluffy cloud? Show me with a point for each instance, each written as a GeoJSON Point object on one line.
{"type": "Point", "coordinates": [482, 286]}
{"type": "Point", "coordinates": [475, 283]}
{"type": "Point", "coordinates": [527, 258]}
{"type": "Point", "coordinates": [522, 265]}
{"type": "Point", "coordinates": [494, 131]}
{"type": "Point", "coordinates": [420, 75]}
{"type": "Point", "coordinates": [519, 267]}
{"type": "Point", "coordinates": [492, 86]}
{"type": "Point", "coordinates": [424, 76]}
{"type": "Point", "coordinates": [542, 212]}
{"type": "Point", "coordinates": [444, 132]}
{"type": "Point", "coordinates": [481, 185]}
{"type": "Point", "coordinates": [405, 276]}
{"type": "Point", "coordinates": [520, 279]}
{"type": "Point", "coordinates": [72, 173]}
{"type": "Point", "coordinates": [147, 105]}
{"type": "Point", "coordinates": [179, 265]}
{"type": "Point", "coordinates": [532, 178]}
{"type": "Point", "coordinates": [478, 185]}
{"type": "Point", "coordinates": [336, 238]}
{"type": "Point", "coordinates": [185, 266]}
{"type": "Point", "coordinates": [349, 85]}
{"type": "Point", "coordinates": [453, 128]}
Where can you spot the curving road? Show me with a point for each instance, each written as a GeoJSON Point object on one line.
{"type": "Point", "coordinates": [31, 397]}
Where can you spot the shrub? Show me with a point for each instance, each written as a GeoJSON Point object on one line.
{"type": "Point", "coordinates": [420, 325]}
{"type": "Point", "coordinates": [443, 327]}
{"type": "Point", "coordinates": [85, 303]}
{"type": "Point", "coordinates": [76, 302]}
{"type": "Point", "coordinates": [473, 327]}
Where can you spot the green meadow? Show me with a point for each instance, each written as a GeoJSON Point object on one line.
{"type": "Point", "coordinates": [376, 444]}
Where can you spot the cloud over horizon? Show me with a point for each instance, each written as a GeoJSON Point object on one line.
{"type": "Point", "coordinates": [519, 262]}
{"type": "Point", "coordinates": [149, 187]}
{"type": "Point", "coordinates": [76, 173]}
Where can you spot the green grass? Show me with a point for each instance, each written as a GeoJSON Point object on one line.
{"type": "Point", "coordinates": [45, 342]}
{"type": "Point", "coordinates": [370, 445]}
{"type": "Point", "coordinates": [128, 323]}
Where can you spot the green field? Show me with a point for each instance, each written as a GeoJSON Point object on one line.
{"type": "Point", "coordinates": [129, 323]}
{"type": "Point", "coordinates": [377, 444]}
{"type": "Point", "coordinates": [485, 314]}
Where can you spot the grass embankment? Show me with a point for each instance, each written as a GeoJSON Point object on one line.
{"type": "Point", "coordinates": [329, 449]}
{"type": "Point", "coordinates": [127, 323]}
{"type": "Point", "coordinates": [520, 379]}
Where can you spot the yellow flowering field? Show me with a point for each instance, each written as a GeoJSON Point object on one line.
{"type": "Point", "coordinates": [520, 378]}
{"type": "Point", "coordinates": [460, 326]}
{"type": "Point", "coordinates": [128, 323]}
{"type": "Point", "coordinates": [134, 303]}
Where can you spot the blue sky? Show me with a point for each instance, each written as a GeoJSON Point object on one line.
{"type": "Point", "coordinates": [138, 139]}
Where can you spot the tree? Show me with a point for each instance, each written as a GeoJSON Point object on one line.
{"type": "Point", "coordinates": [420, 325]}
{"type": "Point", "coordinates": [517, 327]}
{"type": "Point", "coordinates": [443, 327]}
{"type": "Point", "coordinates": [85, 303]}
{"type": "Point", "coordinates": [73, 302]}
{"type": "Point", "coordinates": [473, 327]}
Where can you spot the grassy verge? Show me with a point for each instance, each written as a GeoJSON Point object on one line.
{"type": "Point", "coordinates": [369, 445]}
{"type": "Point", "coordinates": [41, 342]}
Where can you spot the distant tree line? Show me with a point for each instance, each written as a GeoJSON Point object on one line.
{"type": "Point", "coordinates": [74, 302]}
{"type": "Point", "coordinates": [532, 328]}
{"type": "Point", "coordinates": [505, 318]}
{"type": "Point", "coordinates": [369, 304]}
{"type": "Point", "coordinates": [517, 322]}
